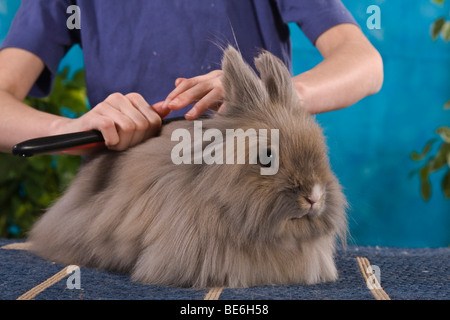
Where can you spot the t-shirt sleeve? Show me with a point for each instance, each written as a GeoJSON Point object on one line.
{"type": "Point", "coordinates": [315, 17]}
{"type": "Point", "coordinates": [40, 28]}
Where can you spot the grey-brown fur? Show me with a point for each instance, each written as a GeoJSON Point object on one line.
{"type": "Point", "coordinates": [208, 225]}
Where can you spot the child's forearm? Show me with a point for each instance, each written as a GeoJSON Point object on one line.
{"type": "Point", "coordinates": [351, 70]}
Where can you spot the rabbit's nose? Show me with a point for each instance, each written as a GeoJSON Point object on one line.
{"type": "Point", "coordinates": [315, 195]}
{"type": "Point", "coordinates": [311, 201]}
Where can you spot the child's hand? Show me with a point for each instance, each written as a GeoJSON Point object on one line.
{"type": "Point", "coordinates": [124, 121]}
{"type": "Point", "coordinates": [205, 91]}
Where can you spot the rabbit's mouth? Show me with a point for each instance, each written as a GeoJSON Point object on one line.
{"type": "Point", "coordinates": [308, 210]}
{"type": "Point", "coordinates": [309, 213]}
{"type": "Point", "coordinates": [315, 211]}
{"type": "Point", "coordinates": [300, 215]}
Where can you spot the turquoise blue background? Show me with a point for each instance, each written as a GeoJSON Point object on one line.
{"type": "Point", "coordinates": [371, 141]}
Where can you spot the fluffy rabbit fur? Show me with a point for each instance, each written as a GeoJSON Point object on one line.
{"type": "Point", "coordinates": [199, 225]}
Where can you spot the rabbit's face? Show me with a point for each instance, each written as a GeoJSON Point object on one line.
{"type": "Point", "coordinates": [304, 167]}
{"type": "Point", "coordinates": [315, 204]}
{"type": "Point", "coordinates": [303, 199]}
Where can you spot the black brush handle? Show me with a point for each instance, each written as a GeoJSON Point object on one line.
{"type": "Point", "coordinates": [65, 141]}
{"type": "Point", "coordinates": [55, 143]}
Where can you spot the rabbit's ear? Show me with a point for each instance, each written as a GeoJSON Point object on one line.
{"type": "Point", "coordinates": [243, 89]}
{"type": "Point", "coordinates": [276, 78]}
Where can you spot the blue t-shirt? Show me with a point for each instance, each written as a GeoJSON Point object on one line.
{"type": "Point", "coordinates": [143, 46]}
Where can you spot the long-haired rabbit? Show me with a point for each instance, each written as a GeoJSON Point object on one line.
{"type": "Point", "coordinates": [202, 225]}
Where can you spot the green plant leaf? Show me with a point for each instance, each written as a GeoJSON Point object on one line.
{"type": "Point", "coordinates": [438, 1]}
{"type": "Point", "coordinates": [419, 156]}
{"type": "Point", "coordinates": [445, 32]}
{"type": "Point", "coordinates": [446, 185]}
{"type": "Point", "coordinates": [64, 73]}
{"type": "Point", "coordinates": [444, 132]}
{"type": "Point", "coordinates": [447, 105]}
{"type": "Point", "coordinates": [440, 159]}
{"type": "Point", "coordinates": [78, 79]}
{"type": "Point", "coordinates": [425, 188]}
{"type": "Point", "coordinates": [436, 27]}
{"type": "Point", "coordinates": [4, 169]}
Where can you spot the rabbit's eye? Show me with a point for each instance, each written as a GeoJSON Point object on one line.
{"type": "Point", "coordinates": [265, 158]}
